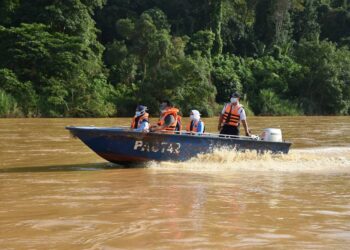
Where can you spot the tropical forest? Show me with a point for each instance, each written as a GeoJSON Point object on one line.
{"type": "Point", "coordinates": [101, 58]}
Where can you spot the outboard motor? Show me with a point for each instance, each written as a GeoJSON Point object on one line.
{"type": "Point", "coordinates": [272, 134]}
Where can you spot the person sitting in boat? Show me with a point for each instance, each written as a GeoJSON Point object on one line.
{"type": "Point", "coordinates": [196, 125]}
{"type": "Point", "coordinates": [169, 118]}
{"type": "Point", "coordinates": [231, 116]}
{"type": "Point", "coordinates": [140, 121]}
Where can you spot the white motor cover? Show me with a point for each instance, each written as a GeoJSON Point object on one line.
{"type": "Point", "coordinates": [272, 134]}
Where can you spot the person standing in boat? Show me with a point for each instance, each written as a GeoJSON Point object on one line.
{"type": "Point", "coordinates": [231, 116]}
{"type": "Point", "coordinates": [196, 125]}
{"type": "Point", "coordinates": [140, 121]}
{"type": "Point", "coordinates": [169, 120]}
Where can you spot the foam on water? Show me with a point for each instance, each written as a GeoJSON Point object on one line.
{"type": "Point", "coordinates": [298, 160]}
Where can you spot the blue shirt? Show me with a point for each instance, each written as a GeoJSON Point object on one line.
{"type": "Point", "coordinates": [143, 127]}
{"type": "Point", "coordinates": [200, 128]}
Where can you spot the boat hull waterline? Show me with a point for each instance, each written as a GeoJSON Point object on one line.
{"type": "Point", "coordinates": [125, 146]}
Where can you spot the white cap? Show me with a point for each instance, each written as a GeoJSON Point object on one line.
{"type": "Point", "coordinates": [196, 114]}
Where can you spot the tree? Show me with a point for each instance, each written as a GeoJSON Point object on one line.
{"type": "Point", "coordinates": [334, 24]}
{"type": "Point", "coordinates": [272, 104]}
{"type": "Point", "coordinates": [202, 42]}
{"type": "Point", "coordinates": [305, 21]}
{"type": "Point", "coordinates": [163, 71]}
{"type": "Point", "coordinates": [7, 11]}
{"type": "Point", "coordinates": [72, 18]}
{"type": "Point", "coordinates": [275, 76]}
{"type": "Point", "coordinates": [56, 64]}
{"type": "Point", "coordinates": [326, 79]}
{"type": "Point", "coordinates": [215, 20]}
{"type": "Point", "coordinates": [19, 96]}
{"type": "Point", "coordinates": [8, 105]}
{"type": "Point", "coordinates": [272, 25]}
{"type": "Point", "coordinates": [225, 77]}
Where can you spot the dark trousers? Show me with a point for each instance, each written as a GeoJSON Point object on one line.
{"type": "Point", "coordinates": [229, 130]}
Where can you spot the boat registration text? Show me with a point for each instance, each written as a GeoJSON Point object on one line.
{"type": "Point", "coordinates": [162, 147]}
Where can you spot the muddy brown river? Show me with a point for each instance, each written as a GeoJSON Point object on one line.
{"type": "Point", "coordinates": [55, 193]}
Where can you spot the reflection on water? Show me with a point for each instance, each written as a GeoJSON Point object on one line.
{"type": "Point", "coordinates": [64, 168]}
{"type": "Point", "coordinates": [56, 194]}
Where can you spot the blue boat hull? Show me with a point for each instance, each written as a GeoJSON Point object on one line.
{"type": "Point", "coordinates": [124, 146]}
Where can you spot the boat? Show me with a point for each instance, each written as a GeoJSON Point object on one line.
{"type": "Point", "coordinates": [122, 145]}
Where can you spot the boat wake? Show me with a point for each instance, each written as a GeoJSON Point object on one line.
{"type": "Point", "coordinates": [298, 160]}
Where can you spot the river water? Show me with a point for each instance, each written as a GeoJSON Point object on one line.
{"type": "Point", "coordinates": [57, 194]}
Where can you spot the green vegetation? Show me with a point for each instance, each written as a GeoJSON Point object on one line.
{"type": "Point", "coordinates": [101, 58]}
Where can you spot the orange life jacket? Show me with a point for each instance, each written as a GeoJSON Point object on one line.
{"type": "Point", "coordinates": [193, 126]}
{"type": "Point", "coordinates": [137, 120]}
{"type": "Point", "coordinates": [173, 112]}
{"type": "Point", "coordinates": [231, 116]}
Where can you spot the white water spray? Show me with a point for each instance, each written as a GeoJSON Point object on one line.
{"type": "Point", "coordinates": [298, 160]}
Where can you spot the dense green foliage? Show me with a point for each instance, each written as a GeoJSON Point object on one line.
{"type": "Point", "coordinates": [101, 58]}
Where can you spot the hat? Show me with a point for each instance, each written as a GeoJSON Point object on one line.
{"type": "Point", "coordinates": [141, 108]}
{"type": "Point", "coordinates": [196, 114]}
{"type": "Point", "coordinates": [236, 95]}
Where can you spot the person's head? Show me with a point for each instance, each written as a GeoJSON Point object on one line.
{"type": "Point", "coordinates": [140, 110]}
{"type": "Point", "coordinates": [195, 115]}
{"type": "Point", "coordinates": [165, 105]}
{"type": "Point", "coordinates": [235, 98]}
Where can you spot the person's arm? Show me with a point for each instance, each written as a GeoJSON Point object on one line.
{"type": "Point", "coordinates": [220, 122]}
{"type": "Point", "coordinates": [221, 118]}
{"type": "Point", "coordinates": [243, 119]}
{"type": "Point", "coordinates": [144, 127]}
{"type": "Point", "coordinates": [200, 129]}
{"type": "Point", "coordinates": [168, 120]}
{"type": "Point", "coordinates": [245, 125]}
{"type": "Point", "coordinates": [157, 128]}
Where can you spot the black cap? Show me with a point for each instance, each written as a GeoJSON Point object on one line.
{"type": "Point", "coordinates": [167, 102]}
{"type": "Point", "coordinates": [236, 95]}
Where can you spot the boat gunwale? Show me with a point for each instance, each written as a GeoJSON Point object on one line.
{"type": "Point", "coordinates": [127, 130]}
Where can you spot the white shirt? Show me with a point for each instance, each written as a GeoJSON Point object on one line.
{"type": "Point", "coordinates": [242, 115]}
